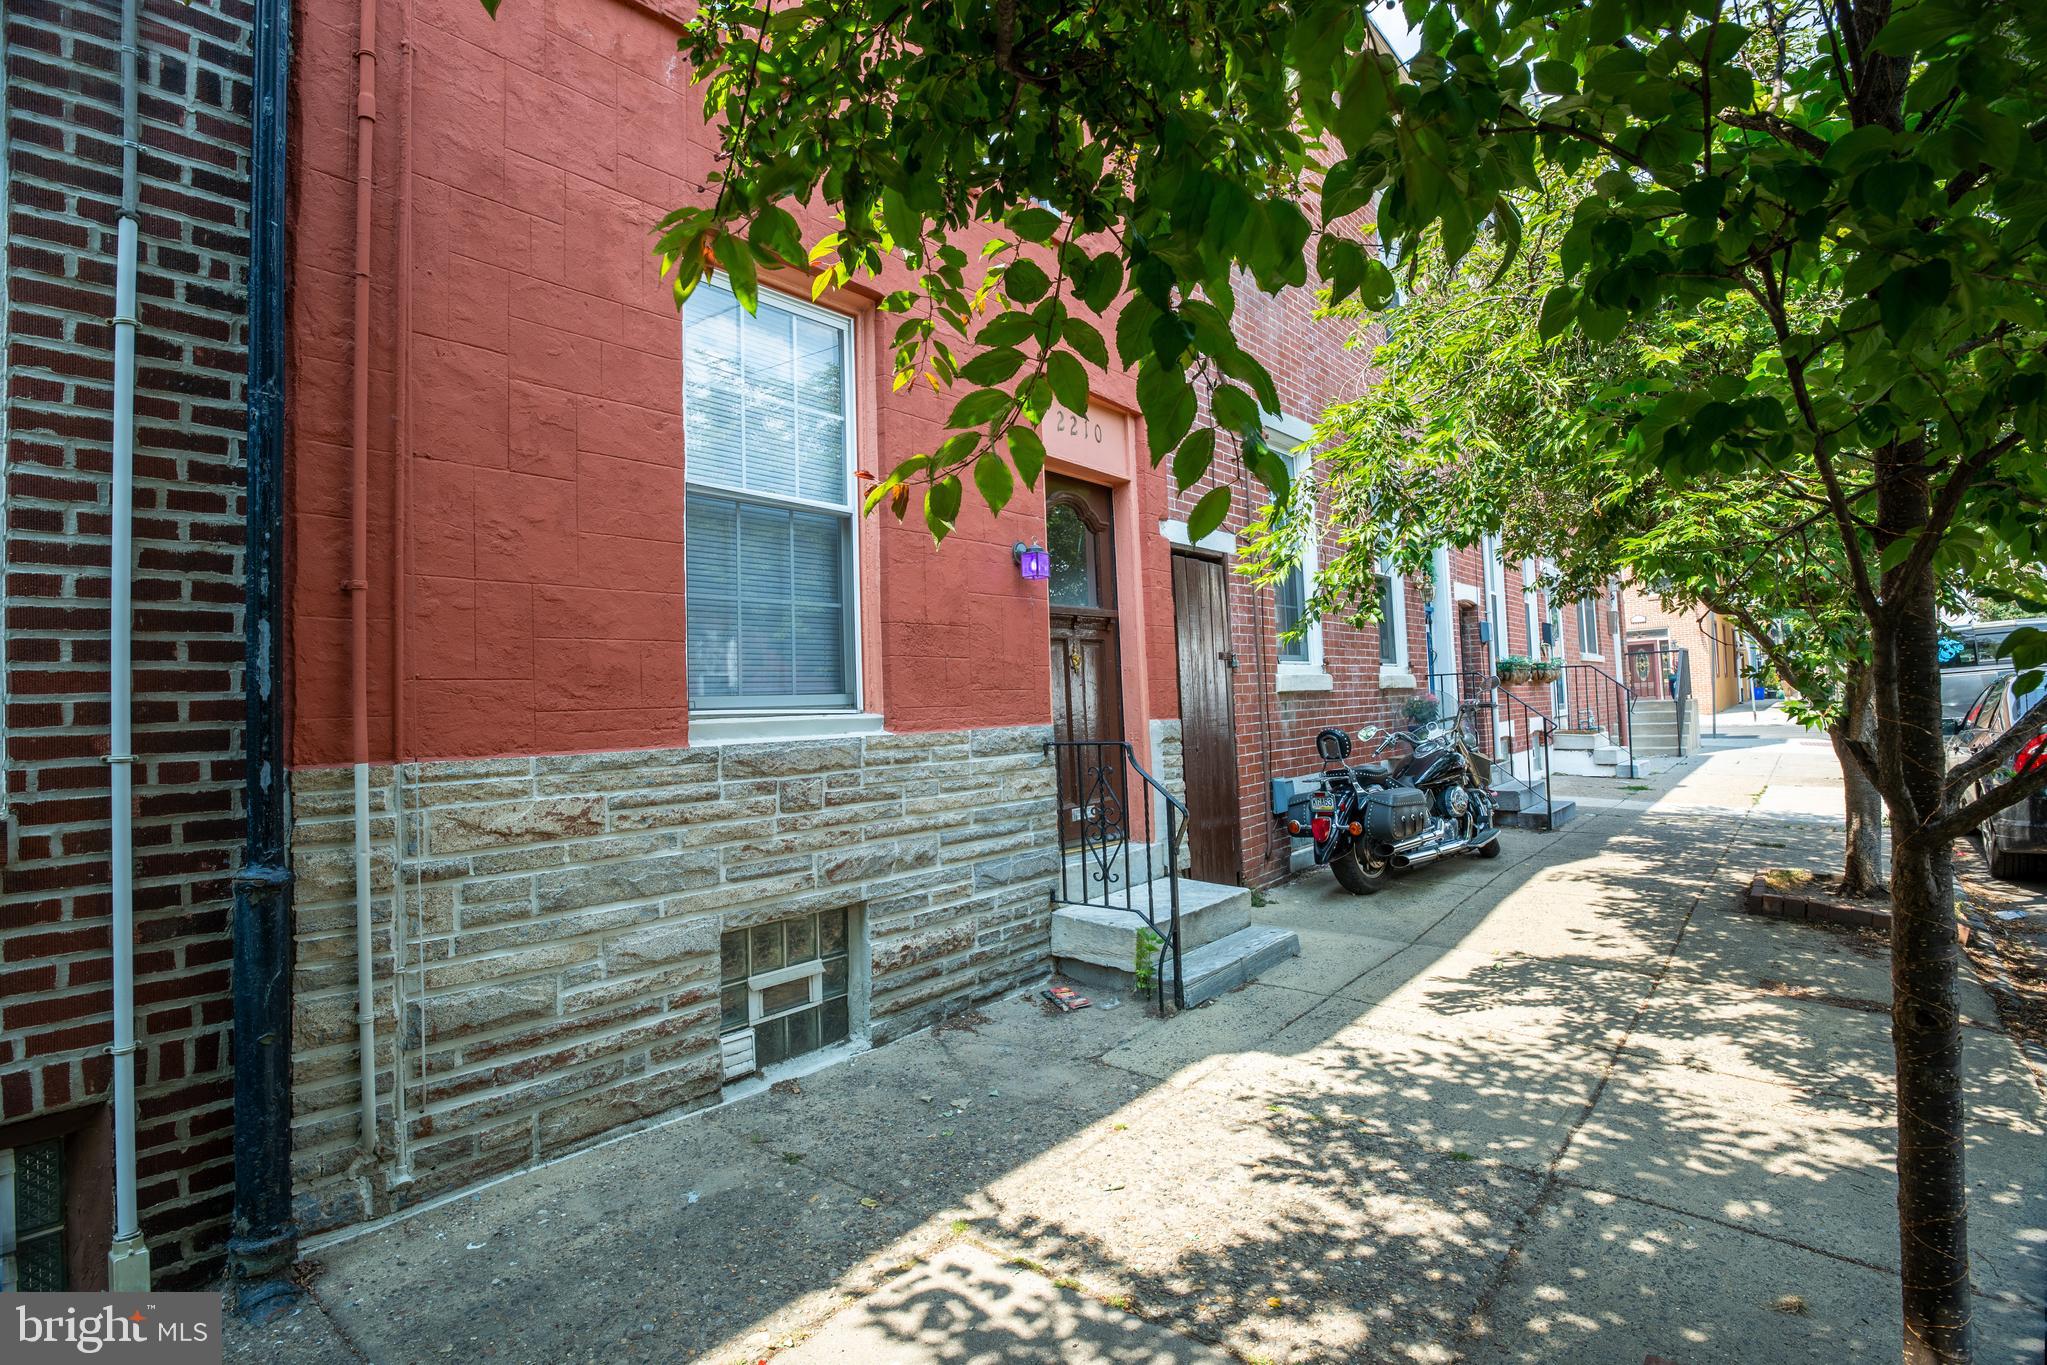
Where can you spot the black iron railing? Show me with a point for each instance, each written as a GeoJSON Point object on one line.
{"type": "Point", "coordinates": [1106, 801]}
{"type": "Point", "coordinates": [1594, 699]}
{"type": "Point", "coordinates": [1483, 702]}
{"type": "Point", "coordinates": [1662, 669]}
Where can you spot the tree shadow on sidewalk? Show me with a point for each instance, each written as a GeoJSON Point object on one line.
{"type": "Point", "coordinates": [1365, 1153]}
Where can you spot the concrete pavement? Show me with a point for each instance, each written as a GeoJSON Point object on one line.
{"type": "Point", "coordinates": [1568, 1105]}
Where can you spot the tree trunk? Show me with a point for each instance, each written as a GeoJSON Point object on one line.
{"type": "Point", "coordinates": [1862, 844]}
{"type": "Point", "coordinates": [1926, 1033]}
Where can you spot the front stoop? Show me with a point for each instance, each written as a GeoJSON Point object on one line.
{"type": "Point", "coordinates": [1220, 948]}
{"type": "Point", "coordinates": [1521, 805]}
{"type": "Point", "coordinates": [1229, 962]}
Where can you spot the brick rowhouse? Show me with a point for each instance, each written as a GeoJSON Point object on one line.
{"type": "Point", "coordinates": [63, 184]}
{"type": "Point", "coordinates": [575, 875]}
{"type": "Point", "coordinates": [1279, 706]}
{"type": "Point", "coordinates": [563, 851]}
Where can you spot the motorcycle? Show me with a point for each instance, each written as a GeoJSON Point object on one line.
{"type": "Point", "coordinates": [1368, 820]}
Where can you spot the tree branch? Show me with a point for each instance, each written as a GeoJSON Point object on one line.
{"type": "Point", "coordinates": [1962, 819]}
{"type": "Point", "coordinates": [1779, 127]}
{"type": "Point", "coordinates": [1991, 757]}
{"type": "Point", "coordinates": [1920, 559]}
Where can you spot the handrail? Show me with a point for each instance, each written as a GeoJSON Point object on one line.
{"type": "Point", "coordinates": [1473, 683]}
{"type": "Point", "coordinates": [1603, 686]}
{"type": "Point", "coordinates": [1672, 674]}
{"type": "Point", "coordinates": [1097, 826]}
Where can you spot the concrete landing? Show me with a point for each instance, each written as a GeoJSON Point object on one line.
{"type": "Point", "coordinates": [1106, 935]}
{"type": "Point", "coordinates": [1523, 806]}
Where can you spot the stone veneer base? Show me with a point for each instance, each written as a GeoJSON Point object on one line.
{"type": "Point", "coordinates": [558, 921]}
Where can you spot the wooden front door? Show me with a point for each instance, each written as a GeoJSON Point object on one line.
{"type": "Point", "coordinates": [1643, 658]}
{"type": "Point", "coordinates": [1086, 654]}
{"type": "Point", "coordinates": [1208, 726]}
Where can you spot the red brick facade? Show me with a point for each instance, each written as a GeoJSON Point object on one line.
{"type": "Point", "coordinates": [63, 172]}
{"type": "Point", "coordinates": [1275, 726]}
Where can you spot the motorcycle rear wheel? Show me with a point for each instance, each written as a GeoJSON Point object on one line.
{"type": "Point", "coordinates": [1357, 874]}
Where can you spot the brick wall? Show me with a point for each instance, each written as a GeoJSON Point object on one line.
{"type": "Point", "coordinates": [1711, 641]}
{"type": "Point", "coordinates": [1275, 730]}
{"type": "Point", "coordinates": [63, 170]}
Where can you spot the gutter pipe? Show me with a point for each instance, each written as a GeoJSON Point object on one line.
{"type": "Point", "coordinates": [357, 586]}
{"type": "Point", "coordinates": [128, 1257]}
{"type": "Point", "coordinates": [263, 1241]}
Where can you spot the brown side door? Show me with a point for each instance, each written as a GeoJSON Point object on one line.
{"type": "Point", "coordinates": [1208, 726]}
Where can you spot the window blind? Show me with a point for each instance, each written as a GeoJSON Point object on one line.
{"type": "Point", "coordinates": [769, 520]}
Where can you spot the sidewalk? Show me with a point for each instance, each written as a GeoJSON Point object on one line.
{"type": "Point", "coordinates": [1568, 1105]}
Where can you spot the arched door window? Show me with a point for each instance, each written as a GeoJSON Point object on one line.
{"type": "Point", "coordinates": [1074, 537]}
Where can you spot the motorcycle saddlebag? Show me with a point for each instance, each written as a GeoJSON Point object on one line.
{"type": "Point", "coordinates": [1396, 814]}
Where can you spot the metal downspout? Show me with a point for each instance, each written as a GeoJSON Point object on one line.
{"type": "Point", "coordinates": [358, 563]}
{"type": "Point", "coordinates": [263, 1240]}
{"type": "Point", "coordinates": [128, 1257]}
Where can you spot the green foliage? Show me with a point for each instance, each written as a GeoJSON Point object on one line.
{"type": "Point", "coordinates": [1847, 195]}
{"type": "Point", "coordinates": [1145, 967]}
{"type": "Point", "coordinates": [1870, 200]}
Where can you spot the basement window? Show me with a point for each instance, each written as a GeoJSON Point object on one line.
{"type": "Point", "coordinates": [32, 1218]}
{"type": "Point", "coordinates": [782, 990]}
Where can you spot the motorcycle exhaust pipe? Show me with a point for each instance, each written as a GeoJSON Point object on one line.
{"type": "Point", "coordinates": [1430, 855]}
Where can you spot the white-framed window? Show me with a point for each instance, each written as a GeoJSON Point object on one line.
{"type": "Point", "coordinates": [1495, 595]}
{"type": "Point", "coordinates": [1588, 626]}
{"type": "Point", "coordinates": [770, 545]}
{"type": "Point", "coordinates": [32, 1256]}
{"type": "Point", "coordinates": [1392, 618]}
{"type": "Point", "coordinates": [1531, 608]}
{"type": "Point", "coordinates": [1290, 593]}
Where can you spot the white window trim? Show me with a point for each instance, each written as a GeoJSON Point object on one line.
{"type": "Point", "coordinates": [1493, 601]}
{"type": "Point", "coordinates": [1531, 608]}
{"type": "Point", "coordinates": [1285, 435]}
{"type": "Point", "coordinates": [1580, 608]}
{"type": "Point", "coordinates": [855, 646]}
{"type": "Point", "coordinates": [1396, 602]}
{"type": "Point", "coordinates": [811, 970]}
{"type": "Point", "coordinates": [747, 727]}
{"type": "Point", "coordinates": [1215, 542]}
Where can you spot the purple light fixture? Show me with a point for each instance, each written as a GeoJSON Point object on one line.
{"type": "Point", "coordinates": [1032, 562]}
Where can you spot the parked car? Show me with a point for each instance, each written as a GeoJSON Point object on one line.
{"type": "Point", "coordinates": [2016, 835]}
{"type": "Point", "coordinates": [1960, 688]}
{"type": "Point", "coordinates": [1969, 661]}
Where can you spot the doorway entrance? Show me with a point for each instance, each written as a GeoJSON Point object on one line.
{"type": "Point", "coordinates": [1208, 726]}
{"type": "Point", "coordinates": [1086, 653]}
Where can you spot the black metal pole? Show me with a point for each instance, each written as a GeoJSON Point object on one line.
{"type": "Point", "coordinates": [263, 1240]}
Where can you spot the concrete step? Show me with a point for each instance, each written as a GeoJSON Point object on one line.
{"type": "Point", "coordinates": [1512, 794]}
{"type": "Point", "coordinates": [1539, 816]}
{"type": "Point", "coordinates": [1229, 962]}
{"type": "Point", "coordinates": [1105, 936]}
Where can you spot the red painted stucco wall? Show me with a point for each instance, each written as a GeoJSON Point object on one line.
{"type": "Point", "coordinates": [526, 505]}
